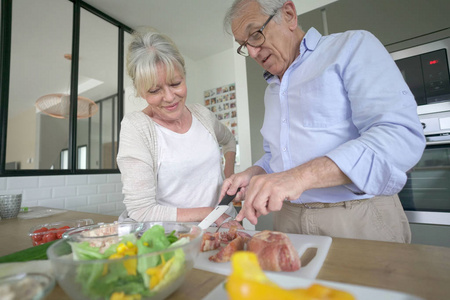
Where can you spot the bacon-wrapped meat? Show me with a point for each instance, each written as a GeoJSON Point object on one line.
{"type": "Point", "coordinates": [225, 253]}
{"type": "Point", "coordinates": [210, 241]}
{"type": "Point", "coordinates": [275, 251]}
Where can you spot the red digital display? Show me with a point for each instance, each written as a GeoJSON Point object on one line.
{"type": "Point", "coordinates": [433, 62]}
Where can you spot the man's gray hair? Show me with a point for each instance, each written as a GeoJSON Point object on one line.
{"type": "Point", "coordinates": [268, 7]}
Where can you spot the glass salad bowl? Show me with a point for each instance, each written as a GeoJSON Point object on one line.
{"type": "Point", "coordinates": [135, 260]}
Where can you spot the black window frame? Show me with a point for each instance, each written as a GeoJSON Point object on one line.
{"type": "Point", "coordinates": [5, 67]}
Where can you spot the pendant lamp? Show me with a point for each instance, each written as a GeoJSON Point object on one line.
{"type": "Point", "coordinates": [58, 106]}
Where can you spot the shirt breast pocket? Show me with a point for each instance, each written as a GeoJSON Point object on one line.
{"type": "Point", "coordinates": [322, 102]}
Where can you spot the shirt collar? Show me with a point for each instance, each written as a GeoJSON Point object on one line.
{"type": "Point", "coordinates": [309, 43]}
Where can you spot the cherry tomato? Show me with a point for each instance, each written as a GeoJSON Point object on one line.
{"type": "Point", "coordinates": [42, 229]}
{"type": "Point", "coordinates": [39, 233]}
{"type": "Point", "coordinates": [48, 237]}
{"type": "Point", "coordinates": [36, 238]}
{"type": "Point", "coordinates": [61, 231]}
{"type": "Point", "coordinates": [37, 243]}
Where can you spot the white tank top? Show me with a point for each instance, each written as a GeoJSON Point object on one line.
{"type": "Point", "coordinates": [189, 172]}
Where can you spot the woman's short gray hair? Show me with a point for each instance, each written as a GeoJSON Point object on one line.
{"type": "Point", "coordinates": [268, 7]}
{"type": "Point", "coordinates": [147, 50]}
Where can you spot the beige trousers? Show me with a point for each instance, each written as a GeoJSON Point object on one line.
{"type": "Point", "coordinates": [380, 218]}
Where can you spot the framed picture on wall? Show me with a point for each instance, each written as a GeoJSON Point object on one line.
{"type": "Point", "coordinates": [222, 102]}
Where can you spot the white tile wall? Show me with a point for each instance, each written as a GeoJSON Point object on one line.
{"type": "Point", "coordinates": [89, 193]}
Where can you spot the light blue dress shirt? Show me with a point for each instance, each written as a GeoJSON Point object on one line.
{"type": "Point", "coordinates": [344, 98]}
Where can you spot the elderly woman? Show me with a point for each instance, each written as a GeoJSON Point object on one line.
{"type": "Point", "coordinates": [169, 154]}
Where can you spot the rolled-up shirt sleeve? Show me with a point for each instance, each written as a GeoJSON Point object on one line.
{"type": "Point", "coordinates": [384, 112]}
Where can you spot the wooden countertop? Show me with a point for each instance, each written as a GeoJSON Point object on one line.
{"type": "Point", "coordinates": [420, 270]}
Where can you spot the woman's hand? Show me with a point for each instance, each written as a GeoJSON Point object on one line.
{"type": "Point", "coordinates": [225, 221]}
{"type": "Point", "coordinates": [222, 219]}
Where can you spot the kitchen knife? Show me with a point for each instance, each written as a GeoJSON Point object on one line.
{"type": "Point", "coordinates": [218, 211]}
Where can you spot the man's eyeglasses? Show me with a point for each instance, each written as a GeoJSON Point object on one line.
{"type": "Point", "coordinates": [256, 39]}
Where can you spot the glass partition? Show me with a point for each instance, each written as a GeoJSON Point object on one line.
{"type": "Point", "coordinates": [38, 126]}
{"type": "Point", "coordinates": [98, 71]}
{"type": "Point", "coordinates": [41, 43]}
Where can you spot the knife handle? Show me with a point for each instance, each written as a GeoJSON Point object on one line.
{"type": "Point", "coordinates": [228, 198]}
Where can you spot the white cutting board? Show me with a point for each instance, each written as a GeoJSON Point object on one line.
{"type": "Point", "coordinates": [289, 282]}
{"type": "Point", "coordinates": [301, 243]}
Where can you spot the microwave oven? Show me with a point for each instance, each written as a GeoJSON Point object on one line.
{"type": "Point", "coordinates": [426, 70]}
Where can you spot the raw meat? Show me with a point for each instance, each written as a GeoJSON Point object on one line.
{"type": "Point", "coordinates": [210, 241]}
{"type": "Point", "coordinates": [275, 251]}
{"type": "Point", "coordinates": [225, 253]}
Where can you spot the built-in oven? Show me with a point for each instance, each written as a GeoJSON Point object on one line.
{"type": "Point", "coordinates": [425, 68]}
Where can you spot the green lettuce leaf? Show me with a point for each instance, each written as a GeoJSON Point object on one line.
{"type": "Point", "coordinates": [177, 267]}
{"type": "Point", "coordinates": [84, 251]}
{"type": "Point", "coordinates": [154, 239]}
{"type": "Point", "coordinates": [100, 280]}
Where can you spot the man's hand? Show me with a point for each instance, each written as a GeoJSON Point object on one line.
{"type": "Point", "coordinates": [240, 180]}
{"type": "Point", "coordinates": [266, 193]}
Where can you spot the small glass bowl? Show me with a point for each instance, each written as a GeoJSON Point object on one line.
{"type": "Point", "coordinates": [55, 230]}
{"type": "Point", "coordinates": [26, 286]}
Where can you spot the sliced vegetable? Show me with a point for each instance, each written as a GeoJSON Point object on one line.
{"type": "Point", "coordinates": [154, 239]}
{"type": "Point", "coordinates": [248, 281]}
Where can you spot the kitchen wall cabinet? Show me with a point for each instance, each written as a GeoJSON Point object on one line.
{"type": "Point", "coordinates": [390, 21]}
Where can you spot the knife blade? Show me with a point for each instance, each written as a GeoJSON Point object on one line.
{"type": "Point", "coordinates": [218, 211]}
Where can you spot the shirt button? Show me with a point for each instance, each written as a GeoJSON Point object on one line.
{"type": "Point", "coordinates": [284, 149]}
{"type": "Point", "coordinates": [284, 120]}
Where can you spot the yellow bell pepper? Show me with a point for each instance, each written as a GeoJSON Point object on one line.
{"type": "Point", "coordinates": [123, 296]}
{"type": "Point", "coordinates": [248, 281]}
{"type": "Point", "coordinates": [122, 250]}
{"type": "Point", "coordinates": [157, 273]}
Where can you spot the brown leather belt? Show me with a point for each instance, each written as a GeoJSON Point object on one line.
{"type": "Point", "coordinates": [314, 205]}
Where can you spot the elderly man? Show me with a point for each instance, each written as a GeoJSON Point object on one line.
{"type": "Point", "coordinates": [340, 128]}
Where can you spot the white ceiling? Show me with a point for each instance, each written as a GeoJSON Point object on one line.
{"type": "Point", "coordinates": [195, 26]}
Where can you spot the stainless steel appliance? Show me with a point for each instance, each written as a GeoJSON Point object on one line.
{"type": "Point", "coordinates": [425, 67]}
